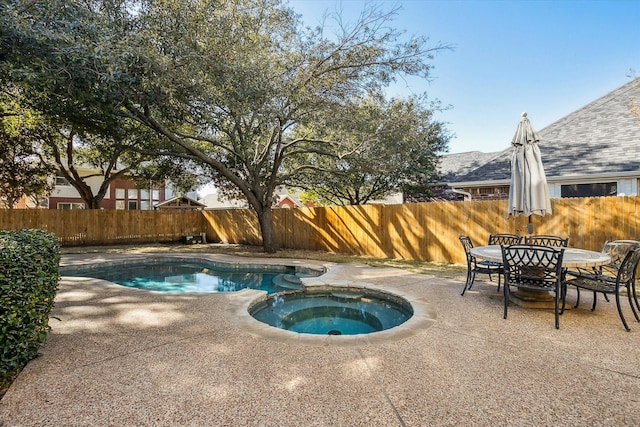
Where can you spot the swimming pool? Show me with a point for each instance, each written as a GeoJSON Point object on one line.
{"type": "Point", "coordinates": [189, 275]}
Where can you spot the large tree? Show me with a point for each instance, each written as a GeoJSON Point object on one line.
{"type": "Point", "coordinates": [225, 81]}
{"type": "Point", "coordinates": [388, 146]}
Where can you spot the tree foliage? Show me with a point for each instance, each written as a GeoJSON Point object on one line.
{"type": "Point", "coordinates": [387, 146]}
{"type": "Point", "coordinates": [226, 82]}
{"type": "Point", "coordinates": [22, 169]}
{"type": "Point", "coordinates": [39, 146]}
{"type": "Point", "coordinates": [73, 154]}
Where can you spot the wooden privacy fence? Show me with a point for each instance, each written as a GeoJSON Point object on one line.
{"type": "Point", "coordinates": [421, 231]}
{"type": "Point", "coordinates": [429, 231]}
{"type": "Point", "coordinates": [105, 227]}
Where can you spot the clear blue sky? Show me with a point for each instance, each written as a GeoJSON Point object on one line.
{"type": "Point", "coordinates": [548, 58]}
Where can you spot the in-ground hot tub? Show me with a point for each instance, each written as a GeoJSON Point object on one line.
{"type": "Point", "coordinates": [332, 310]}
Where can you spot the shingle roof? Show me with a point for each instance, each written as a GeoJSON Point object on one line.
{"type": "Point", "coordinates": [601, 137]}
{"type": "Point", "coordinates": [458, 164]}
{"type": "Point", "coordinates": [180, 202]}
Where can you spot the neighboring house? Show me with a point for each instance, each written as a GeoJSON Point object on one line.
{"type": "Point", "coordinates": [288, 201]}
{"type": "Point", "coordinates": [396, 198]}
{"type": "Point", "coordinates": [180, 203]}
{"type": "Point", "coordinates": [594, 151]}
{"type": "Point", "coordinates": [122, 194]}
{"type": "Point", "coordinates": [459, 164]}
{"type": "Point", "coordinates": [284, 198]}
{"type": "Point", "coordinates": [217, 201]}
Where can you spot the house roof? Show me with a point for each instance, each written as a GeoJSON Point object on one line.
{"type": "Point", "coordinates": [601, 138]}
{"type": "Point", "coordinates": [181, 202]}
{"type": "Point", "coordinates": [459, 164]}
{"type": "Point", "coordinates": [294, 200]}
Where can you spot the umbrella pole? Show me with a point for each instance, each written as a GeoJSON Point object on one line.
{"type": "Point", "coordinates": [529, 226]}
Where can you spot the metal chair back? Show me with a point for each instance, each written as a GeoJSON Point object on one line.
{"type": "Point", "coordinates": [547, 240]}
{"type": "Point", "coordinates": [467, 244]}
{"type": "Point", "coordinates": [504, 239]}
{"type": "Point", "coordinates": [618, 249]}
{"type": "Point", "coordinates": [534, 267]}
{"type": "Point", "coordinates": [474, 266]}
{"type": "Point", "coordinates": [627, 270]}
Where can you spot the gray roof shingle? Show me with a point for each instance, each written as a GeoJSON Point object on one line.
{"type": "Point", "coordinates": [458, 164]}
{"type": "Point", "coordinates": [601, 137]}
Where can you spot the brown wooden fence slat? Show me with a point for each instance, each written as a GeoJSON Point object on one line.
{"type": "Point", "coordinates": [423, 231]}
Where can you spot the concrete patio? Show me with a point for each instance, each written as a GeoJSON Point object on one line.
{"type": "Point", "coordinates": [119, 356]}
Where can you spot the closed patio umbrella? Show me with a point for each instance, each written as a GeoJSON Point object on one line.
{"type": "Point", "coordinates": [528, 190]}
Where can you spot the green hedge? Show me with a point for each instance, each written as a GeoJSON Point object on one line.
{"type": "Point", "coordinates": [29, 275]}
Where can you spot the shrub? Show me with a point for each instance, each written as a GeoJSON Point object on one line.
{"type": "Point", "coordinates": [29, 275]}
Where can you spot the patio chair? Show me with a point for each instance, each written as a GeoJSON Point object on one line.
{"type": "Point", "coordinates": [552, 241]}
{"type": "Point", "coordinates": [505, 239]}
{"type": "Point", "coordinates": [617, 250]}
{"type": "Point", "coordinates": [547, 240]}
{"type": "Point", "coordinates": [625, 278]}
{"type": "Point", "coordinates": [475, 266]}
{"type": "Point", "coordinates": [537, 268]}
{"type": "Point", "coordinates": [633, 285]}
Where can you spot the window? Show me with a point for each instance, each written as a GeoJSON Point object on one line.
{"type": "Point", "coordinates": [120, 205]}
{"type": "Point", "coordinates": [67, 205]}
{"type": "Point", "coordinates": [61, 180]}
{"type": "Point", "coordinates": [132, 193]}
{"type": "Point", "coordinates": [589, 190]}
{"type": "Point", "coordinates": [120, 193]}
{"type": "Point", "coordinates": [132, 205]}
{"type": "Point", "coordinates": [156, 194]}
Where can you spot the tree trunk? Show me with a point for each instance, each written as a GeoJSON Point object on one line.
{"type": "Point", "coordinates": [95, 203]}
{"type": "Point", "coordinates": [266, 229]}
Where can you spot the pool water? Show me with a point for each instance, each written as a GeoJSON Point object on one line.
{"type": "Point", "coordinates": [332, 311]}
{"type": "Point", "coordinates": [189, 277]}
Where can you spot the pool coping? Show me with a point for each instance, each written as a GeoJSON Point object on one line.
{"type": "Point", "coordinates": [215, 259]}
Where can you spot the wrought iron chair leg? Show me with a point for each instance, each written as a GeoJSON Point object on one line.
{"type": "Point", "coordinates": [624, 322]}
{"type": "Point", "coordinates": [595, 301]}
{"type": "Point", "coordinates": [555, 299]}
{"type": "Point", "coordinates": [578, 298]}
{"type": "Point", "coordinates": [506, 299]}
{"type": "Point", "coordinates": [633, 309]}
{"type": "Point", "coordinates": [466, 283]}
{"type": "Point", "coordinates": [471, 277]}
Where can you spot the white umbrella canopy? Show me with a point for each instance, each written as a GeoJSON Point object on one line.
{"type": "Point", "coordinates": [528, 192]}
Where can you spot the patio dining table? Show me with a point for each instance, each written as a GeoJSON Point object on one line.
{"type": "Point", "coordinates": [573, 257]}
